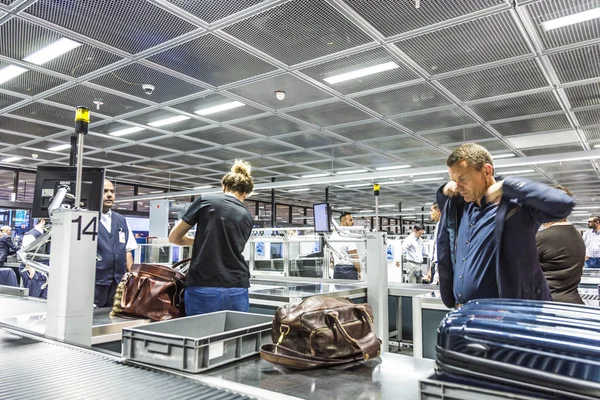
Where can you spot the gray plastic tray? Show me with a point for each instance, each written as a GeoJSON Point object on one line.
{"type": "Point", "coordinates": [431, 389]}
{"type": "Point", "coordinates": [198, 343]}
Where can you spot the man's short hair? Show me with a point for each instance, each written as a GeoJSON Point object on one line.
{"type": "Point", "coordinates": [344, 216]}
{"type": "Point", "coordinates": [419, 227]}
{"type": "Point", "coordinates": [435, 206]}
{"type": "Point", "coordinates": [475, 155]}
{"type": "Point", "coordinates": [564, 189]}
{"type": "Point", "coordinates": [596, 218]}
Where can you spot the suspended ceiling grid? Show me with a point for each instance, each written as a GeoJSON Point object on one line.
{"type": "Point", "coordinates": [472, 70]}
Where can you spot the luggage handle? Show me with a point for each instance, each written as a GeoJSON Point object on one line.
{"type": "Point", "coordinates": [369, 345]}
{"type": "Point", "coordinates": [158, 348]}
{"type": "Point", "coordinates": [281, 355]}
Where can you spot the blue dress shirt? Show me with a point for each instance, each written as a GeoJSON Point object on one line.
{"type": "Point", "coordinates": [475, 262]}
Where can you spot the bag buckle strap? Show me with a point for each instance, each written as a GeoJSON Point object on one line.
{"type": "Point", "coordinates": [283, 330]}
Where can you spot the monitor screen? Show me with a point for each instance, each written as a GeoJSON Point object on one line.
{"type": "Point", "coordinates": [322, 216]}
{"type": "Point", "coordinates": [48, 179]}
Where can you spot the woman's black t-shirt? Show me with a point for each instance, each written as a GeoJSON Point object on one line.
{"type": "Point", "coordinates": [223, 226]}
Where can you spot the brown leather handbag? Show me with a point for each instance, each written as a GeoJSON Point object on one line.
{"type": "Point", "coordinates": [151, 291]}
{"type": "Point", "coordinates": [321, 331]}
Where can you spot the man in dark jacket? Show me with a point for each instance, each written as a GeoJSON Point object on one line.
{"type": "Point", "coordinates": [486, 241]}
{"type": "Point", "coordinates": [7, 247]}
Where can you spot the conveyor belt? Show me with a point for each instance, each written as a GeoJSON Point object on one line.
{"type": "Point", "coordinates": [34, 369]}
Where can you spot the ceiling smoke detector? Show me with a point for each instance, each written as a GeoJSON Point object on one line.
{"type": "Point", "coordinates": [280, 95]}
{"type": "Point", "coordinates": [98, 103]}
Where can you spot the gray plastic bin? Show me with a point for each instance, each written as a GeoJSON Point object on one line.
{"type": "Point", "coordinates": [195, 344]}
{"type": "Point", "coordinates": [432, 389]}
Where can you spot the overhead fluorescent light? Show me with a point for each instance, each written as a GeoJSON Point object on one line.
{"type": "Point", "coordinates": [391, 182]}
{"type": "Point", "coordinates": [219, 108]}
{"type": "Point", "coordinates": [393, 167]}
{"type": "Point", "coordinates": [522, 171]}
{"type": "Point", "coordinates": [299, 190]}
{"type": "Point", "coordinates": [315, 175]}
{"type": "Point", "coordinates": [353, 171]}
{"type": "Point", "coordinates": [571, 19]}
{"type": "Point", "coordinates": [365, 211]}
{"type": "Point", "coordinates": [126, 131]}
{"type": "Point", "coordinates": [11, 159]}
{"type": "Point", "coordinates": [60, 147]}
{"type": "Point", "coordinates": [168, 121]}
{"type": "Point", "coordinates": [203, 187]}
{"type": "Point", "coordinates": [355, 185]}
{"type": "Point", "coordinates": [427, 179]}
{"type": "Point", "coordinates": [387, 206]}
{"type": "Point", "coordinates": [156, 191]}
{"type": "Point", "coordinates": [506, 155]}
{"type": "Point", "coordinates": [361, 72]}
{"type": "Point", "coordinates": [408, 209]}
{"type": "Point", "coordinates": [50, 52]}
{"type": "Point", "coordinates": [597, 146]}
{"type": "Point", "coordinates": [9, 72]}
{"type": "Point", "coordinates": [543, 139]}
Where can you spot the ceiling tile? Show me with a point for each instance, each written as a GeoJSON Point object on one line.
{"type": "Point", "coordinates": [178, 143]}
{"type": "Point", "coordinates": [158, 115]}
{"type": "Point", "coordinates": [270, 126]}
{"type": "Point", "coordinates": [403, 100]}
{"type": "Point", "coordinates": [222, 136]}
{"type": "Point", "coordinates": [396, 143]}
{"type": "Point", "coordinates": [30, 128]}
{"type": "Point", "coordinates": [435, 120]}
{"type": "Point", "coordinates": [459, 135]}
{"type": "Point", "coordinates": [223, 154]}
{"type": "Point", "coordinates": [213, 100]}
{"type": "Point", "coordinates": [30, 83]}
{"type": "Point", "coordinates": [264, 147]}
{"type": "Point", "coordinates": [577, 64]}
{"type": "Point", "coordinates": [214, 10]}
{"type": "Point", "coordinates": [342, 151]}
{"type": "Point", "coordinates": [310, 140]}
{"type": "Point", "coordinates": [539, 124]}
{"type": "Point", "coordinates": [330, 114]}
{"type": "Point", "coordinates": [116, 126]}
{"type": "Point", "coordinates": [584, 96]}
{"type": "Point", "coordinates": [44, 112]}
{"type": "Point", "coordinates": [589, 117]}
{"type": "Point", "coordinates": [85, 96]}
{"type": "Point", "coordinates": [537, 103]}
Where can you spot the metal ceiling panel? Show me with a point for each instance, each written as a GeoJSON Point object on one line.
{"type": "Point", "coordinates": [214, 10]}
{"type": "Point", "coordinates": [330, 114]}
{"type": "Point", "coordinates": [469, 134]}
{"type": "Point", "coordinates": [531, 104]}
{"type": "Point", "coordinates": [592, 133]}
{"type": "Point", "coordinates": [553, 150]}
{"type": "Point", "coordinates": [584, 96]}
{"type": "Point", "coordinates": [222, 136]}
{"type": "Point", "coordinates": [116, 126]}
{"type": "Point", "coordinates": [298, 157]}
{"type": "Point", "coordinates": [270, 126]}
{"type": "Point", "coordinates": [566, 166]}
{"type": "Point", "coordinates": [297, 92]}
{"type": "Point", "coordinates": [547, 10]}
{"type": "Point", "coordinates": [12, 140]}
{"type": "Point", "coordinates": [406, 99]}
{"type": "Point", "coordinates": [156, 164]}
{"type": "Point", "coordinates": [44, 112]}
{"type": "Point", "coordinates": [158, 115]}
{"type": "Point", "coordinates": [130, 25]}
{"type": "Point", "coordinates": [420, 154]}
{"type": "Point", "coordinates": [30, 83]}
{"type": "Point", "coordinates": [577, 64]}
{"type": "Point", "coordinates": [187, 159]}
{"type": "Point", "coordinates": [298, 31]}
{"type": "Point", "coordinates": [19, 38]}
{"type": "Point", "coordinates": [116, 157]}
{"type": "Point", "coordinates": [371, 159]}
{"type": "Point", "coordinates": [85, 96]}
{"type": "Point", "coordinates": [531, 125]}
{"type": "Point", "coordinates": [41, 155]}
{"type": "Point", "coordinates": [357, 61]}
{"type": "Point", "coordinates": [466, 45]}
{"type": "Point", "coordinates": [265, 147]}
{"type": "Point", "coordinates": [510, 78]}
{"type": "Point", "coordinates": [132, 169]}
{"type": "Point", "coordinates": [369, 130]}
{"type": "Point", "coordinates": [263, 162]}
{"type": "Point", "coordinates": [543, 139]}
{"type": "Point", "coordinates": [94, 140]}
{"type": "Point", "coordinates": [16, 125]}
{"type": "Point", "coordinates": [212, 60]}
{"type": "Point", "coordinates": [435, 120]}
{"type": "Point", "coordinates": [342, 151]}
{"type": "Point", "coordinates": [493, 146]}
{"type": "Point", "coordinates": [589, 117]}
{"type": "Point", "coordinates": [292, 170]}
{"type": "Point", "coordinates": [130, 79]}
{"type": "Point", "coordinates": [179, 143]}
{"type": "Point", "coordinates": [146, 151]}
{"type": "Point", "coordinates": [216, 100]}
{"type": "Point", "coordinates": [310, 140]}
{"type": "Point", "coordinates": [7, 100]}
{"type": "Point", "coordinates": [224, 154]}
{"type": "Point", "coordinates": [393, 17]}
{"type": "Point", "coordinates": [396, 143]}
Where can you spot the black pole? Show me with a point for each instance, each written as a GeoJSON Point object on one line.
{"type": "Point", "coordinates": [422, 216]}
{"type": "Point", "coordinates": [400, 220]}
{"type": "Point", "coordinates": [136, 190]}
{"type": "Point", "coordinates": [16, 186]}
{"type": "Point", "coordinates": [273, 207]}
{"type": "Point", "coordinates": [327, 194]}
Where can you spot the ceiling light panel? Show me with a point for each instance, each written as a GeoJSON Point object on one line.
{"type": "Point", "coordinates": [405, 99]}
{"type": "Point", "coordinates": [543, 139]}
{"type": "Point", "coordinates": [577, 64]}
{"type": "Point", "coordinates": [517, 106]}
{"type": "Point", "coordinates": [392, 18]}
{"type": "Point", "coordinates": [298, 31]}
{"type": "Point", "coordinates": [219, 108]}
{"type": "Point", "coordinates": [10, 72]}
{"type": "Point", "coordinates": [531, 125]}
{"type": "Point", "coordinates": [361, 72]}
{"type": "Point", "coordinates": [466, 45]}
{"type": "Point", "coordinates": [322, 72]}
{"type": "Point", "coordinates": [19, 38]}
{"type": "Point", "coordinates": [564, 22]}
{"type": "Point", "coordinates": [212, 60]}
{"type": "Point", "coordinates": [160, 115]}
{"type": "Point", "coordinates": [121, 18]}
{"type": "Point", "coordinates": [50, 52]}
{"type": "Point", "coordinates": [209, 12]}
{"type": "Point", "coordinates": [435, 120]}
{"type": "Point", "coordinates": [330, 114]}
{"type": "Point", "coordinates": [29, 83]}
{"type": "Point", "coordinates": [505, 79]}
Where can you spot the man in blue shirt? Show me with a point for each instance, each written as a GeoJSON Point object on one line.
{"type": "Point", "coordinates": [486, 244]}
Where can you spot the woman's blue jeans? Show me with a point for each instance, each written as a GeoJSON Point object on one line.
{"type": "Point", "coordinates": [203, 299]}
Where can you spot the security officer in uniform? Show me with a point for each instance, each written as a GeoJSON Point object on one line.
{"type": "Point", "coordinates": [115, 243]}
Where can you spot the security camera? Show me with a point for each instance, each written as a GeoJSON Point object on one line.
{"type": "Point", "coordinates": [280, 95]}
{"type": "Point", "coordinates": [391, 179]}
{"type": "Point", "coordinates": [148, 89]}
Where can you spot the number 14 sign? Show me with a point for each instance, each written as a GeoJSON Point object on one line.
{"type": "Point", "coordinates": [89, 229]}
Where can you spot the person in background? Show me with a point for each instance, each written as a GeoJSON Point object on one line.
{"type": "Point", "coordinates": [115, 243]}
{"type": "Point", "coordinates": [486, 244]}
{"type": "Point", "coordinates": [218, 277]}
{"type": "Point", "coordinates": [562, 254]}
{"type": "Point", "coordinates": [592, 244]}
{"type": "Point", "coordinates": [414, 249]}
{"type": "Point", "coordinates": [432, 275]}
{"type": "Point", "coordinates": [7, 247]}
{"type": "Point", "coordinates": [34, 280]}
{"type": "Point", "coordinates": [346, 264]}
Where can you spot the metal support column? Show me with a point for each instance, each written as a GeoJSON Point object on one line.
{"type": "Point", "coordinates": [377, 281]}
{"type": "Point", "coordinates": [273, 207]}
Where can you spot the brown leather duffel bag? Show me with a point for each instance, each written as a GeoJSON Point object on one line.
{"type": "Point", "coordinates": [151, 291]}
{"type": "Point", "coordinates": [322, 331]}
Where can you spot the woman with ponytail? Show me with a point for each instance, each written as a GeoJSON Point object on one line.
{"type": "Point", "coordinates": [218, 277]}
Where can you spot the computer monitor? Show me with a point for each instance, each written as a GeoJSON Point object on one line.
{"type": "Point", "coordinates": [322, 217]}
{"type": "Point", "coordinates": [48, 179]}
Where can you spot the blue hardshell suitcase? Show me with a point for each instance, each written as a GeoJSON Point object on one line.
{"type": "Point", "coordinates": [551, 348]}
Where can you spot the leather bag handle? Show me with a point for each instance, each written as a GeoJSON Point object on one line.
{"type": "Point", "coordinates": [369, 345]}
{"type": "Point", "coordinates": [177, 264]}
{"type": "Point", "coordinates": [278, 354]}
